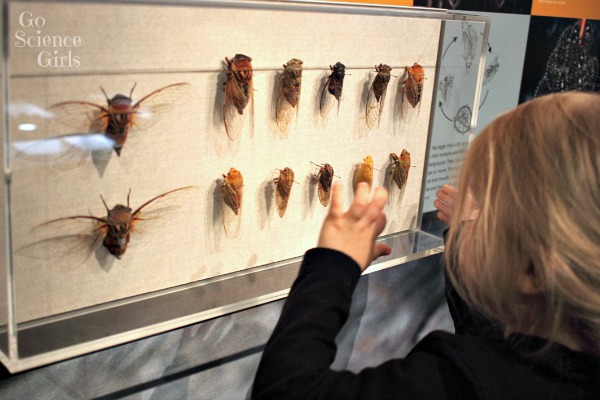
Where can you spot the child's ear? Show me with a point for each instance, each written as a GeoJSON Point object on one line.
{"type": "Point", "coordinates": [530, 283]}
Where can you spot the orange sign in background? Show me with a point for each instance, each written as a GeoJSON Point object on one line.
{"type": "Point", "coordinates": [386, 2]}
{"type": "Point", "coordinates": [567, 8]}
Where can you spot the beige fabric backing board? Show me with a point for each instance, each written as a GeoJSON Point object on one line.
{"type": "Point", "coordinates": [157, 46]}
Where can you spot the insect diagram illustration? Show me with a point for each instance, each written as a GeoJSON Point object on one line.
{"type": "Point", "coordinates": [376, 96]}
{"type": "Point", "coordinates": [239, 92]}
{"type": "Point", "coordinates": [86, 233]}
{"type": "Point", "coordinates": [289, 93]}
{"type": "Point", "coordinates": [364, 173]}
{"type": "Point", "coordinates": [332, 88]}
{"type": "Point", "coordinates": [324, 179]}
{"type": "Point", "coordinates": [470, 41]}
{"type": "Point", "coordinates": [121, 114]}
{"type": "Point", "coordinates": [400, 166]}
{"type": "Point", "coordinates": [283, 188]}
{"type": "Point", "coordinates": [231, 190]}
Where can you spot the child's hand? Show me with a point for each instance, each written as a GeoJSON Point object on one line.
{"type": "Point", "coordinates": [354, 232]}
{"type": "Point", "coordinates": [445, 203]}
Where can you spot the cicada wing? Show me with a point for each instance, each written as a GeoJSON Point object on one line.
{"type": "Point", "coordinates": [233, 109]}
{"type": "Point", "coordinates": [71, 239]}
{"type": "Point", "coordinates": [327, 100]}
{"type": "Point", "coordinates": [81, 116]}
{"type": "Point", "coordinates": [324, 193]}
{"type": "Point", "coordinates": [410, 98]}
{"type": "Point", "coordinates": [283, 189]}
{"type": "Point", "coordinates": [159, 209]}
{"type": "Point", "coordinates": [231, 210]}
{"type": "Point", "coordinates": [148, 110]}
{"type": "Point", "coordinates": [284, 112]}
{"type": "Point", "coordinates": [374, 107]}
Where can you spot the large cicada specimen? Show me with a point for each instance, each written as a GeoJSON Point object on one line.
{"type": "Point", "coordinates": [232, 190]}
{"type": "Point", "coordinates": [239, 92]}
{"type": "Point", "coordinates": [376, 96]}
{"type": "Point", "coordinates": [324, 180]}
{"type": "Point", "coordinates": [289, 93]}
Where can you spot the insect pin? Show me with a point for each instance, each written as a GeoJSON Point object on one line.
{"type": "Point", "coordinates": [332, 88]}
{"type": "Point", "coordinates": [238, 93]}
{"type": "Point", "coordinates": [283, 188]}
{"type": "Point", "coordinates": [289, 93]}
{"type": "Point", "coordinates": [113, 231]}
{"type": "Point", "coordinates": [376, 96]}
{"type": "Point", "coordinates": [324, 180]}
{"type": "Point", "coordinates": [364, 173]}
{"type": "Point", "coordinates": [232, 190]}
{"type": "Point", "coordinates": [121, 114]}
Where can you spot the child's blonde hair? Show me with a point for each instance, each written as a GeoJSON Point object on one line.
{"type": "Point", "coordinates": [535, 175]}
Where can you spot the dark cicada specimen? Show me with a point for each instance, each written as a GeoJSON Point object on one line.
{"type": "Point", "coordinates": [238, 93]}
{"type": "Point", "coordinates": [332, 88]}
{"type": "Point", "coordinates": [289, 93]}
{"type": "Point", "coordinates": [377, 93]}
{"type": "Point", "coordinates": [324, 178]}
{"type": "Point", "coordinates": [283, 189]}
{"type": "Point", "coordinates": [400, 168]}
{"type": "Point", "coordinates": [121, 114]}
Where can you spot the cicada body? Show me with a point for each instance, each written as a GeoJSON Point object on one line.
{"type": "Point", "coordinates": [232, 191]}
{"type": "Point", "coordinates": [239, 92]}
{"type": "Point", "coordinates": [289, 93]}
{"type": "Point", "coordinates": [283, 189]}
{"type": "Point", "coordinates": [413, 85]}
{"type": "Point", "coordinates": [121, 114]}
{"type": "Point", "coordinates": [364, 173]}
{"type": "Point", "coordinates": [112, 231]}
{"type": "Point", "coordinates": [332, 88]}
{"type": "Point", "coordinates": [324, 179]}
{"type": "Point", "coordinates": [376, 95]}
{"type": "Point", "coordinates": [400, 168]}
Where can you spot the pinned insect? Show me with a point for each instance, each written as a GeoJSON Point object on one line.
{"type": "Point", "coordinates": [324, 178]}
{"type": "Point", "coordinates": [376, 95]}
{"type": "Point", "coordinates": [289, 93]}
{"type": "Point", "coordinates": [399, 168]}
{"type": "Point", "coordinates": [232, 190]}
{"type": "Point", "coordinates": [113, 231]}
{"type": "Point", "coordinates": [283, 188]}
{"type": "Point", "coordinates": [364, 173]}
{"type": "Point", "coordinates": [238, 93]}
{"type": "Point", "coordinates": [413, 85]}
{"type": "Point", "coordinates": [333, 87]}
{"type": "Point", "coordinates": [120, 114]}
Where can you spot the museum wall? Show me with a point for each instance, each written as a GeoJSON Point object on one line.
{"type": "Point", "coordinates": [393, 308]}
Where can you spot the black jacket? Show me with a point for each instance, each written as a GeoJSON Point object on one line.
{"type": "Point", "coordinates": [296, 360]}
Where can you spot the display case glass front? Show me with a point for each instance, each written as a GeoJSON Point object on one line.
{"type": "Point", "coordinates": [165, 164]}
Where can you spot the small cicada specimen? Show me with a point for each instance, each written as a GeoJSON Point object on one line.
{"type": "Point", "coordinates": [289, 93]}
{"type": "Point", "coordinates": [239, 92]}
{"type": "Point", "coordinates": [332, 88]}
{"type": "Point", "coordinates": [324, 178]}
{"type": "Point", "coordinates": [283, 188]}
{"type": "Point", "coordinates": [364, 172]}
{"type": "Point", "coordinates": [400, 167]}
{"type": "Point", "coordinates": [413, 85]}
{"type": "Point", "coordinates": [120, 115]}
{"type": "Point", "coordinates": [232, 190]}
{"type": "Point", "coordinates": [376, 94]}
{"type": "Point", "coordinates": [112, 231]}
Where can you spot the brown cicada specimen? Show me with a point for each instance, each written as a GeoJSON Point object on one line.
{"type": "Point", "coordinates": [283, 188]}
{"type": "Point", "coordinates": [324, 179]}
{"type": "Point", "coordinates": [238, 93]}
{"type": "Point", "coordinates": [364, 173]}
{"type": "Point", "coordinates": [376, 95]}
{"type": "Point", "coordinates": [332, 88]}
{"type": "Point", "coordinates": [400, 167]}
{"type": "Point", "coordinates": [119, 116]}
{"type": "Point", "coordinates": [232, 191]}
{"type": "Point", "coordinates": [413, 85]}
{"type": "Point", "coordinates": [88, 232]}
{"type": "Point", "coordinates": [289, 93]}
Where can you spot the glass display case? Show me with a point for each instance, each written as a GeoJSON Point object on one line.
{"type": "Point", "coordinates": [166, 163]}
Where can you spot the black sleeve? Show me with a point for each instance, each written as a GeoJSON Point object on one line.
{"type": "Point", "coordinates": [467, 321]}
{"type": "Point", "coordinates": [295, 363]}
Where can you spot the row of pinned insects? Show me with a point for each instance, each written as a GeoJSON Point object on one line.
{"type": "Point", "coordinates": [121, 114]}
{"type": "Point", "coordinates": [115, 229]}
